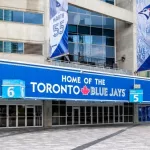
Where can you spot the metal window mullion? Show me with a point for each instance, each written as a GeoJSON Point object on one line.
{"type": "Point", "coordinates": [34, 124]}
{"type": "Point", "coordinates": [72, 115]}
{"type": "Point", "coordinates": [85, 116]}
{"type": "Point", "coordinates": [97, 115]}
{"type": "Point", "coordinates": [25, 115]}
{"type": "Point", "coordinates": [102, 114]}
{"type": "Point", "coordinates": [16, 115]}
{"type": "Point", "coordinates": [7, 115]}
{"type": "Point", "coordinates": [91, 114]}
{"type": "Point", "coordinates": [79, 115]}
{"type": "Point", "coordinates": [66, 114]}
{"type": "Point", "coordinates": [108, 114]}
{"type": "Point", "coordinates": [114, 114]}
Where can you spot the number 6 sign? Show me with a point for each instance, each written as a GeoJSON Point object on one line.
{"type": "Point", "coordinates": [13, 89]}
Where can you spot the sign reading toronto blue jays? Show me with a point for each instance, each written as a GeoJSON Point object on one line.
{"type": "Point", "coordinates": [143, 34]}
{"type": "Point", "coordinates": [44, 82]}
{"type": "Point", "coordinates": [58, 28]}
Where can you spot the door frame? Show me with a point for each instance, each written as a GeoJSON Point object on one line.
{"type": "Point", "coordinates": [27, 106]}
{"type": "Point", "coordinates": [75, 108]}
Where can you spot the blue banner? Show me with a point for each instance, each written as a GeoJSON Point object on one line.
{"type": "Point", "coordinates": [143, 35]}
{"type": "Point", "coordinates": [44, 82]}
{"type": "Point", "coordinates": [58, 28]}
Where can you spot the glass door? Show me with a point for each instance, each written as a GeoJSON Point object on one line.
{"type": "Point", "coordinates": [12, 115]}
{"type": "Point", "coordinates": [88, 115]}
{"type": "Point", "coordinates": [38, 115]}
{"type": "Point", "coordinates": [21, 115]}
{"type": "Point", "coordinates": [76, 115]}
{"type": "Point", "coordinates": [106, 114]}
{"type": "Point", "coordinates": [30, 116]}
{"type": "Point", "coordinates": [111, 114]}
{"type": "Point", "coordinates": [3, 115]}
{"type": "Point", "coordinates": [116, 114]}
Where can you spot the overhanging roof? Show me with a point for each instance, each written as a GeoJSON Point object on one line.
{"type": "Point", "coordinates": [105, 9]}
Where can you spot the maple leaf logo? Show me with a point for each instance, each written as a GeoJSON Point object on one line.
{"type": "Point", "coordinates": [85, 90]}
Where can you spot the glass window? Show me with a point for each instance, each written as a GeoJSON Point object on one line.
{"type": "Point", "coordinates": [62, 110]}
{"type": "Point", "coordinates": [1, 14]}
{"type": "Point", "coordinates": [1, 46]}
{"type": "Point", "coordinates": [110, 52]}
{"type": "Point", "coordinates": [83, 11]}
{"type": "Point", "coordinates": [96, 21]}
{"type": "Point", "coordinates": [109, 1]}
{"type": "Point", "coordinates": [110, 61]}
{"type": "Point", "coordinates": [108, 32]}
{"type": "Point", "coordinates": [73, 18]}
{"type": "Point", "coordinates": [85, 39]}
{"type": "Point", "coordinates": [84, 49]}
{"type": "Point", "coordinates": [72, 8]}
{"type": "Point", "coordinates": [73, 38]}
{"type": "Point", "coordinates": [96, 14]}
{"type": "Point", "coordinates": [13, 47]}
{"type": "Point", "coordinates": [83, 30]}
{"type": "Point", "coordinates": [72, 29]}
{"type": "Point", "coordinates": [3, 115]}
{"type": "Point", "coordinates": [98, 40]}
{"type": "Point", "coordinates": [96, 31]}
{"type": "Point", "coordinates": [15, 16]}
{"type": "Point", "coordinates": [85, 20]}
{"type": "Point", "coordinates": [110, 41]}
{"type": "Point", "coordinates": [73, 48]}
{"type": "Point", "coordinates": [30, 48]}
{"type": "Point", "coordinates": [98, 51]}
{"type": "Point", "coordinates": [108, 23]}
{"type": "Point", "coordinates": [33, 18]}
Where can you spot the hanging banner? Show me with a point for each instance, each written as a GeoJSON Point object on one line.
{"type": "Point", "coordinates": [58, 28]}
{"type": "Point", "coordinates": [143, 34]}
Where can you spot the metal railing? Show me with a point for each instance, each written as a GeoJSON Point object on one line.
{"type": "Point", "coordinates": [100, 67]}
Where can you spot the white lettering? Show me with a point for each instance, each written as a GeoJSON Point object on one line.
{"type": "Point", "coordinates": [33, 86]}
{"type": "Point", "coordinates": [70, 79]}
{"type": "Point", "coordinates": [48, 88]}
{"type": "Point", "coordinates": [41, 87]}
{"type": "Point", "coordinates": [56, 88]}
{"type": "Point", "coordinates": [76, 90]}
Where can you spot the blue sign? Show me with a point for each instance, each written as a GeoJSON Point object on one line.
{"type": "Point", "coordinates": [13, 89]}
{"type": "Point", "coordinates": [136, 96]}
{"type": "Point", "coordinates": [58, 28]}
{"type": "Point", "coordinates": [45, 82]}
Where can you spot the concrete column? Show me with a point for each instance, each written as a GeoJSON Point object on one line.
{"type": "Point", "coordinates": [125, 38]}
{"type": "Point", "coordinates": [136, 118]}
{"type": "Point", "coordinates": [47, 113]}
{"type": "Point", "coordinates": [47, 30]}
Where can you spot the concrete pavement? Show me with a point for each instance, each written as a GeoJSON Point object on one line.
{"type": "Point", "coordinates": [88, 138]}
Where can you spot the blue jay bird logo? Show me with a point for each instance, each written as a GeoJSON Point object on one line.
{"type": "Point", "coordinates": [58, 4]}
{"type": "Point", "coordinates": [146, 12]}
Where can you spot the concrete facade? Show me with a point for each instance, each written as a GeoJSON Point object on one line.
{"type": "Point", "coordinates": [125, 28]}
{"type": "Point", "coordinates": [126, 38]}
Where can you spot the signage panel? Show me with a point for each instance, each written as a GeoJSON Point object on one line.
{"type": "Point", "coordinates": [13, 89]}
{"type": "Point", "coordinates": [43, 82]}
{"type": "Point", "coordinates": [136, 96]}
